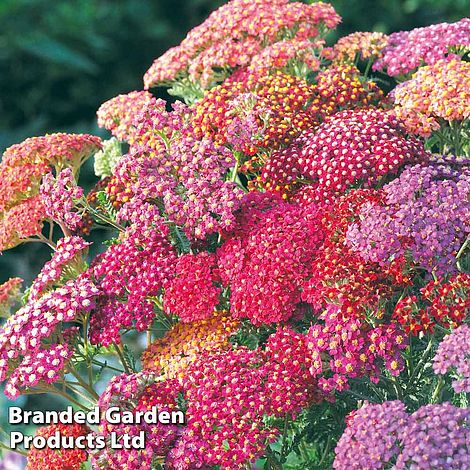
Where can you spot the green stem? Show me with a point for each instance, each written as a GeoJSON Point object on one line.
{"type": "Point", "coordinates": [422, 362]}
{"type": "Point", "coordinates": [437, 391]}
{"type": "Point", "coordinates": [105, 364]}
{"type": "Point", "coordinates": [284, 437]}
{"type": "Point", "coordinates": [122, 358]}
{"type": "Point", "coordinates": [84, 385]}
{"type": "Point", "coordinates": [325, 452]}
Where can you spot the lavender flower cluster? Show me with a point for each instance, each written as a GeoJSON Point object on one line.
{"type": "Point", "coordinates": [426, 213]}
{"type": "Point", "coordinates": [435, 436]}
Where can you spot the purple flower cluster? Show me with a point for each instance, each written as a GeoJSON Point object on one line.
{"type": "Point", "coordinates": [24, 336]}
{"type": "Point", "coordinates": [435, 436]}
{"type": "Point", "coordinates": [454, 353]}
{"type": "Point", "coordinates": [426, 213]}
{"type": "Point", "coordinates": [59, 195]}
{"type": "Point", "coordinates": [408, 50]}
{"type": "Point", "coordinates": [371, 438]}
{"type": "Point", "coordinates": [167, 163]}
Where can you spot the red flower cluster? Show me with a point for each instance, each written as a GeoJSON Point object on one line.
{"type": "Point", "coordinates": [70, 458]}
{"type": "Point", "coordinates": [267, 257]}
{"type": "Point", "coordinates": [445, 303]}
{"type": "Point", "coordinates": [191, 293]}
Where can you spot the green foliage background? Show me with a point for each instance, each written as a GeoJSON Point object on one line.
{"type": "Point", "coordinates": [60, 59]}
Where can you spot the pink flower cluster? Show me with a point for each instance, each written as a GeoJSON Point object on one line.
{"type": "Point", "coordinates": [168, 164]}
{"type": "Point", "coordinates": [24, 335]}
{"type": "Point", "coordinates": [119, 114]}
{"type": "Point", "coordinates": [266, 258]}
{"type": "Point", "coordinates": [134, 393]}
{"type": "Point", "coordinates": [127, 274]}
{"type": "Point", "coordinates": [351, 147]}
{"type": "Point", "coordinates": [408, 50]}
{"type": "Point", "coordinates": [354, 349]}
{"type": "Point", "coordinates": [234, 34]}
{"type": "Point", "coordinates": [59, 196]}
{"type": "Point", "coordinates": [69, 251]}
{"type": "Point", "coordinates": [191, 293]}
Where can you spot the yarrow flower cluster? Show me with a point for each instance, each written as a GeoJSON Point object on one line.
{"type": "Point", "coordinates": [22, 209]}
{"type": "Point", "coordinates": [184, 173]}
{"type": "Point", "coordinates": [358, 45]}
{"type": "Point", "coordinates": [22, 336]}
{"type": "Point", "coordinates": [136, 393]}
{"type": "Point", "coordinates": [426, 214]}
{"type": "Point", "coordinates": [348, 148]}
{"type": "Point", "coordinates": [127, 274]}
{"type": "Point", "coordinates": [453, 355]}
{"type": "Point", "coordinates": [445, 303]}
{"type": "Point", "coordinates": [191, 293]}
{"type": "Point", "coordinates": [281, 251]}
{"type": "Point", "coordinates": [186, 342]}
{"type": "Point", "coordinates": [67, 257]}
{"type": "Point", "coordinates": [354, 349]}
{"type": "Point", "coordinates": [234, 34]}
{"type": "Point", "coordinates": [266, 258]}
{"type": "Point", "coordinates": [58, 459]}
{"type": "Point", "coordinates": [377, 434]}
{"type": "Point", "coordinates": [119, 114]}
{"type": "Point", "coordinates": [436, 92]}
{"type": "Point", "coordinates": [59, 196]}
{"type": "Point", "coordinates": [408, 50]}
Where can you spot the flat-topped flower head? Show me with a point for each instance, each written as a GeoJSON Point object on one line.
{"type": "Point", "coordinates": [21, 221]}
{"type": "Point", "coordinates": [453, 355]}
{"type": "Point", "coordinates": [185, 342]}
{"type": "Point", "coordinates": [119, 115]}
{"type": "Point", "coordinates": [234, 34]}
{"type": "Point", "coordinates": [408, 50]}
{"type": "Point", "coordinates": [70, 458]}
{"type": "Point", "coordinates": [359, 45]}
{"type": "Point", "coordinates": [58, 150]}
{"type": "Point", "coordinates": [435, 92]}
{"type": "Point", "coordinates": [425, 215]}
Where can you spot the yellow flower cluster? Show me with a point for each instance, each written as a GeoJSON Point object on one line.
{"type": "Point", "coordinates": [185, 342]}
{"type": "Point", "coordinates": [362, 45]}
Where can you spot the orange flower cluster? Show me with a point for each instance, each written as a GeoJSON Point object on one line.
{"type": "Point", "coordinates": [358, 45]}
{"type": "Point", "coordinates": [234, 34]}
{"type": "Point", "coordinates": [21, 170]}
{"type": "Point", "coordinates": [284, 105]}
{"type": "Point", "coordinates": [279, 101]}
{"type": "Point", "coordinates": [185, 342]}
{"type": "Point", "coordinates": [438, 91]}
{"type": "Point", "coordinates": [70, 458]}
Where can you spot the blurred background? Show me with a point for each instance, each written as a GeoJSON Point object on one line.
{"type": "Point", "coordinates": [60, 59]}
